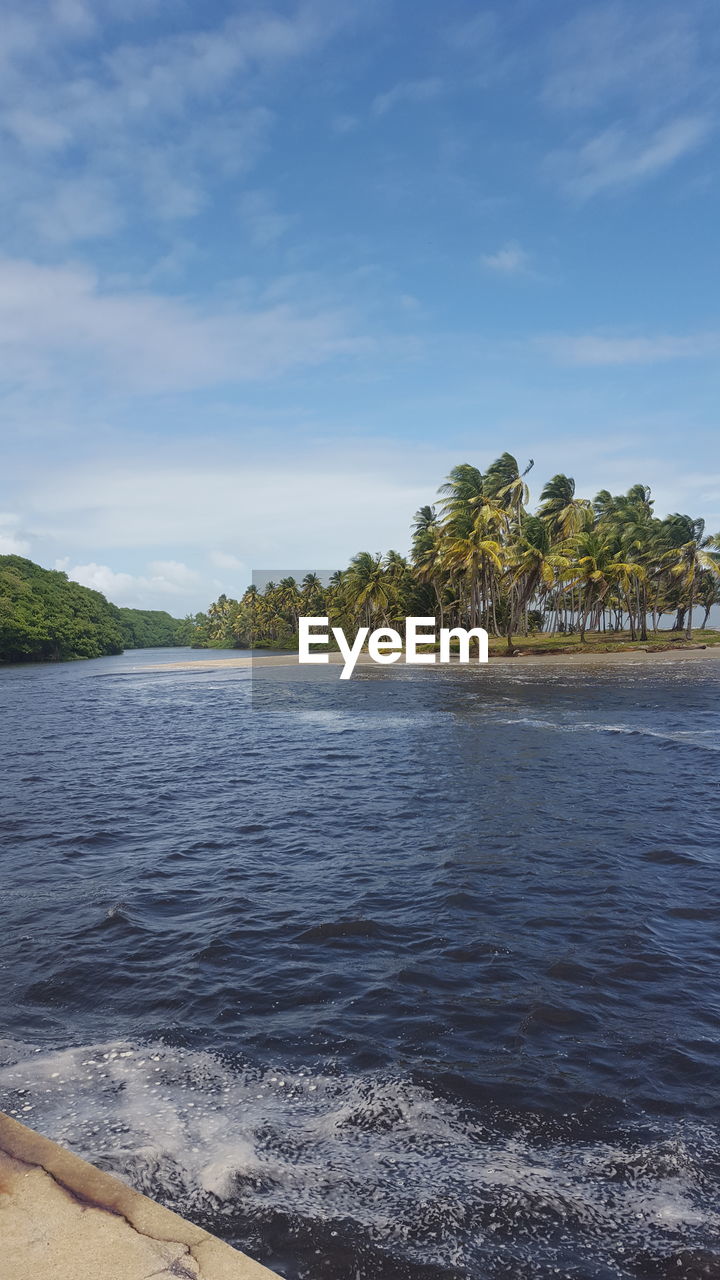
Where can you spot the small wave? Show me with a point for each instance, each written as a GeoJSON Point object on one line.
{"type": "Point", "coordinates": [235, 1145]}
{"type": "Point", "coordinates": [684, 737]}
{"type": "Point", "coordinates": [669, 858]}
{"type": "Point", "coordinates": [332, 929]}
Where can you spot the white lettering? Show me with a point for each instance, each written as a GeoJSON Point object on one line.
{"type": "Point", "coordinates": [378, 644]}
{"type": "Point", "coordinates": [349, 654]}
{"type": "Point", "coordinates": [463, 637]}
{"type": "Point", "coordinates": [305, 639]}
{"type": "Point", "coordinates": [414, 636]}
{"type": "Point", "coordinates": [385, 645]}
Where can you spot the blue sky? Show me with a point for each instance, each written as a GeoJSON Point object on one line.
{"type": "Point", "coordinates": [267, 272]}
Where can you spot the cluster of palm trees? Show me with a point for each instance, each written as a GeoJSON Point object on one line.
{"type": "Point", "coordinates": [480, 558]}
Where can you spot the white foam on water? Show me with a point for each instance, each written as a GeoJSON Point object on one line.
{"type": "Point", "coordinates": [705, 739]}
{"type": "Point", "coordinates": [378, 1151]}
{"type": "Point", "coordinates": [351, 718]}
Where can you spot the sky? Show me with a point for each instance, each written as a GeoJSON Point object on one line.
{"type": "Point", "coordinates": [268, 271]}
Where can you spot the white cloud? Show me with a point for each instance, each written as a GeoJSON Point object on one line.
{"type": "Point", "coordinates": [11, 545]}
{"type": "Point", "coordinates": [99, 577]}
{"type": "Point", "coordinates": [510, 260]}
{"type": "Point", "coordinates": [408, 91]}
{"type": "Point", "coordinates": [477, 35]}
{"type": "Point", "coordinates": [75, 14]}
{"type": "Point", "coordinates": [165, 75]}
{"type": "Point", "coordinates": [324, 506]}
{"type": "Point", "coordinates": [35, 132]}
{"type": "Point", "coordinates": [11, 542]}
{"type": "Point", "coordinates": [224, 560]}
{"type": "Point", "coordinates": [173, 572]}
{"type": "Point", "coordinates": [646, 56]}
{"type": "Point", "coordinates": [618, 158]}
{"type": "Point", "coordinates": [598, 350]}
{"type": "Point", "coordinates": [288, 507]}
{"type": "Point", "coordinates": [147, 342]}
{"type": "Point", "coordinates": [263, 221]}
{"type": "Point", "coordinates": [151, 120]}
{"type": "Point", "coordinates": [343, 124]}
{"type": "Point", "coordinates": [77, 209]}
{"type": "Point", "coordinates": [168, 578]}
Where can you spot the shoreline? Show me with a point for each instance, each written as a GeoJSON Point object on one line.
{"type": "Point", "coordinates": [623, 656]}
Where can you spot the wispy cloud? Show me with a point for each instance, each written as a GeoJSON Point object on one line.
{"type": "Point", "coordinates": [618, 157]}
{"type": "Point", "coordinates": [616, 54]}
{"type": "Point", "coordinates": [637, 83]}
{"type": "Point", "coordinates": [407, 91]}
{"type": "Point", "coordinates": [143, 341]}
{"type": "Point", "coordinates": [598, 350]}
{"type": "Point", "coordinates": [344, 124]}
{"type": "Point", "coordinates": [476, 35]}
{"type": "Point", "coordinates": [75, 209]}
{"type": "Point", "coordinates": [143, 125]}
{"type": "Point", "coordinates": [263, 220]}
{"type": "Point", "coordinates": [510, 260]}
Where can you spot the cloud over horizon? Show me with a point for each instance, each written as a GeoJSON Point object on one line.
{"type": "Point", "coordinates": [268, 273]}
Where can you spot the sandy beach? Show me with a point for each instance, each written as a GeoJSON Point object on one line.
{"type": "Point", "coordinates": [678, 654]}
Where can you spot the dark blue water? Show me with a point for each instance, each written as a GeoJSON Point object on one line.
{"type": "Point", "coordinates": [413, 977]}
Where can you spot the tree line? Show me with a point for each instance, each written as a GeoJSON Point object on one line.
{"type": "Point", "coordinates": [44, 617]}
{"type": "Point", "coordinates": [481, 557]}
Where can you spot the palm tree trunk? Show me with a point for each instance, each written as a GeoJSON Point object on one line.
{"type": "Point", "coordinates": [631, 618]}
{"type": "Point", "coordinates": [688, 629]}
{"type": "Point", "coordinates": [438, 597]}
{"type": "Point", "coordinates": [643, 611]}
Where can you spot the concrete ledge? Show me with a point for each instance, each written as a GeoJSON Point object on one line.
{"type": "Point", "coordinates": [62, 1219]}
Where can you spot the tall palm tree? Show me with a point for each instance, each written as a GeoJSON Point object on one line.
{"type": "Point", "coordinates": [460, 495]}
{"type": "Point", "coordinates": [563, 513]}
{"type": "Point", "coordinates": [504, 480]}
{"type": "Point", "coordinates": [371, 588]}
{"type": "Point", "coordinates": [481, 557]}
{"type": "Point", "coordinates": [537, 566]}
{"type": "Point", "coordinates": [636, 527]}
{"type": "Point", "coordinates": [598, 569]}
{"type": "Point", "coordinates": [476, 555]}
{"type": "Point", "coordinates": [688, 561]}
{"type": "Point", "coordinates": [708, 593]}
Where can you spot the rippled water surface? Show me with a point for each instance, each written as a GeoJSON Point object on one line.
{"type": "Point", "coordinates": [411, 977]}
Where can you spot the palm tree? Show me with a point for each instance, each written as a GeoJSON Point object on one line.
{"type": "Point", "coordinates": [504, 480]}
{"type": "Point", "coordinates": [428, 555]}
{"type": "Point", "coordinates": [688, 561]}
{"type": "Point", "coordinates": [372, 590]}
{"type": "Point", "coordinates": [313, 595]}
{"type": "Point", "coordinates": [460, 494]}
{"type": "Point", "coordinates": [481, 557]}
{"type": "Point", "coordinates": [708, 593]}
{"type": "Point", "coordinates": [633, 518]}
{"type": "Point", "coordinates": [476, 555]}
{"type": "Point", "coordinates": [564, 514]}
{"type": "Point", "coordinates": [537, 566]}
{"type": "Point", "coordinates": [598, 570]}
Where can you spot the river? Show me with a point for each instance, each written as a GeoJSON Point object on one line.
{"type": "Point", "coordinates": [410, 977]}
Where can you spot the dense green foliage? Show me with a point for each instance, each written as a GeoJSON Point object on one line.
{"type": "Point", "coordinates": [482, 558]}
{"type": "Point", "coordinates": [152, 628]}
{"type": "Point", "coordinates": [44, 617]}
